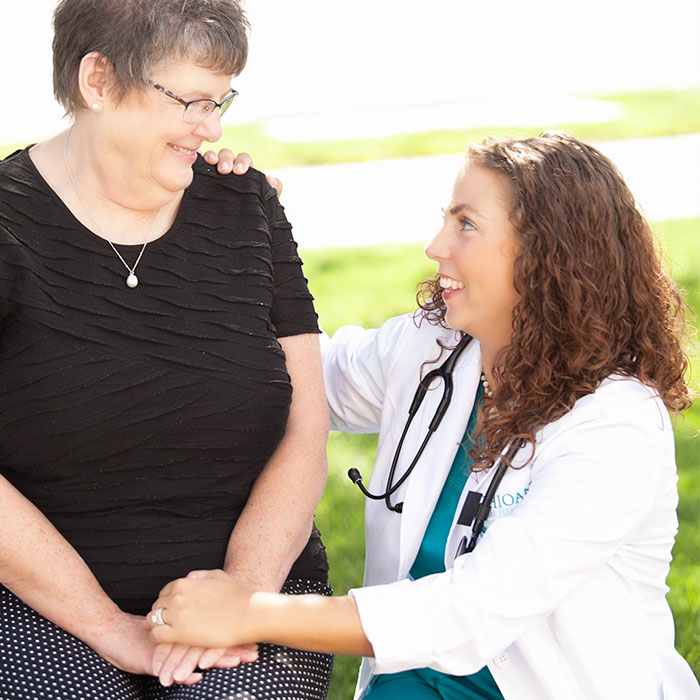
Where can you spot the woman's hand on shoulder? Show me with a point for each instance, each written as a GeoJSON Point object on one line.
{"type": "Point", "coordinates": [227, 163]}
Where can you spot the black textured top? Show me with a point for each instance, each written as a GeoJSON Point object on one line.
{"type": "Point", "coordinates": [137, 419]}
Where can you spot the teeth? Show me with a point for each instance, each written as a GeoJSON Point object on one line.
{"type": "Point", "coordinates": [186, 151]}
{"type": "Point", "coordinates": [447, 283]}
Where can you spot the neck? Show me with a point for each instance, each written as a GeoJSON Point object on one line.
{"type": "Point", "coordinates": [119, 208]}
{"type": "Point", "coordinates": [488, 357]}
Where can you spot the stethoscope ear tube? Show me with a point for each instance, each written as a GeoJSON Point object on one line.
{"type": "Point", "coordinates": [444, 372]}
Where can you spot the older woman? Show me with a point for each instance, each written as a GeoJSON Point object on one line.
{"type": "Point", "coordinates": [162, 404]}
{"type": "Point", "coordinates": [520, 553]}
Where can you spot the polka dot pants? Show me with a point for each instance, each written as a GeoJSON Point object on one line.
{"type": "Point", "coordinates": [40, 661]}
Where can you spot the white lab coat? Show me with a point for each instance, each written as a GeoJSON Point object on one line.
{"type": "Point", "coordinates": [563, 597]}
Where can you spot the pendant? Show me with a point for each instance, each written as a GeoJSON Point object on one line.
{"type": "Point", "coordinates": [132, 281]}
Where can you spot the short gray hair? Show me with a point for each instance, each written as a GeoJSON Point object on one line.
{"type": "Point", "coordinates": [134, 36]}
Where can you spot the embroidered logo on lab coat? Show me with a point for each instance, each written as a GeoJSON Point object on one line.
{"type": "Point", "coordinates": [503, 504]}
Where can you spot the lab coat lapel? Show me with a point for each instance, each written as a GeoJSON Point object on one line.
{"type": "Point", "coordinates": [425, 483]}
{"type": "Point", "coordinates": [517, 480]}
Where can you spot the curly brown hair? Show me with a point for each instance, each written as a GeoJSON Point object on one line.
{"type": "Point", "coordinates": [594, 299]}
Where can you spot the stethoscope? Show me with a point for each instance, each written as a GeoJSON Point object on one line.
{"type": "Point", "coordinates": [475, 509]}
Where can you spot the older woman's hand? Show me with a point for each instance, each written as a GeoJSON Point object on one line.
{"type": "Point", "coordinates": [226, 163]}
{"type": "Point", "coordinates": [176, 663]}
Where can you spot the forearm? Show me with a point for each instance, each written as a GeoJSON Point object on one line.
{"type": "Point", "coordinates": [208, 608]}
{"type": "Point", "coordinates": [310, 622]}
{"type": "Point", "coordinates": [276, 521]}
{"type": "Point", "coordinates": [40, 567]}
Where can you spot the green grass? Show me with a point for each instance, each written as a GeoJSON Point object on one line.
{"type": "Point", "coordinates": [646, 114]}
{"type": "Point", "coordinates": [366, 286]}
{"type": "Point", "coordinates": [655, 113]}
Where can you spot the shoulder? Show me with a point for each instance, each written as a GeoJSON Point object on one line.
{"type": "Point", "coordinates": [13, 168]}
{"type": "Point", "coordinates": [621, 400]}
{"type": "Point", "coordinates": [397, 333]}
{"type": "Point", "coordinates": [253, 182]}
{"type": "Point", "coordinates": [404, 341]}
{"type": "Point", "coordinates": [621, 415]}
{"type": "Point", "coordinates": [22, 198]}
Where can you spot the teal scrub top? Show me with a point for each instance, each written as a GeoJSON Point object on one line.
{"type": "Point", "coordinates": [424, 682]}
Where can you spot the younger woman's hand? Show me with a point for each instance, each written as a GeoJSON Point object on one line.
{"type": "Point", "coordinates": [226, 163]}
{"type": "Point", "coordinates": [207, 609]}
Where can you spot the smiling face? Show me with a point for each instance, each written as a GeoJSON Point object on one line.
{"type": "Point", "coordinates": [476, 249]}
{"type": "Point", "coordinates": [147, 130]}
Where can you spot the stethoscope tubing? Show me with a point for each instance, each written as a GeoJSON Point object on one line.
{"type": "Point", "coordinates": [444, 372]}
{"type": "Point", "coordinates": [478, 509]}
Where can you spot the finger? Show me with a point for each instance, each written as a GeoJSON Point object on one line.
{"type": "Point", "coordinates": [248, 653]}
{"type": "Point", "coordinates": [211, 157]}
{"type": "Point", "coordinates": [163, 634]}
{"type": "Point", "coordinates": [188, 664]}
{"type": "Point", "coordinates": [201, 573]}
{"type": "Point", "coordinates": [176, 655]}
{"type": "Point", "coordinates": [242, 162]}
{"type": "Point", "coordinates": [193, 678]}
{"type": "Point", "coordinates": [155, 618]}
{"type": "Point", "coordinates": [276, 183]}
{"type": "Point", "coordinates": [211, 657]}
{"type": "Point", "coordinates": [226, 159]}
{"type": "Point", "coordinates": [160, 654]}
{"type": "Point", "coordinates": [206, 573]}
{"type": "Point", "coordinates": [233, 656]}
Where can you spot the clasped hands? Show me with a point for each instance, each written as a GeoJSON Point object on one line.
{"type": "Point", "coordinates": [207, 607]}
{"type": "Point", "coordinates": [177, 655]}
{"type": "Point", "coordinates": [197, 612]}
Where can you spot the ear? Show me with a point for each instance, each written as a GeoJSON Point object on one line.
{"type": "Point", "coordinates": [93, 79]}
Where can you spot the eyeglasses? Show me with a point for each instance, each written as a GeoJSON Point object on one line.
{"type": "Point", "coordinates": [197, 111]}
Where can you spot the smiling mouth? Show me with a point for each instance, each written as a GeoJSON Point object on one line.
{"type": "Point", "coordinates": [449, 283]}
{"type": "Point", "coordinates": [184, 151]}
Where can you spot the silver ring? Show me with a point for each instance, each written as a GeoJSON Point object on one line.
{"type": "Point", "coordinates": [157, 617]}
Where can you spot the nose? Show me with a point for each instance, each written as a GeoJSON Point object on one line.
{"type": "Point", "coordinates": [438, 247]}
{"type": "Point", "coordinates": [210, 128]}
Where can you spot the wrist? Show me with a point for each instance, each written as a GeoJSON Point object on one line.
{"type": "Point", "coordinates": [265, 617]}
{"type": "Point", "coordinates": [101, 634]}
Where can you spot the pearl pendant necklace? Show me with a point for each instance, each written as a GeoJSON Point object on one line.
{"type": "Point", "coordinates": [131, 280]}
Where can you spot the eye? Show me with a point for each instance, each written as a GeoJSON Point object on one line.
{"type": "Point", "coordinates": [466, 225]}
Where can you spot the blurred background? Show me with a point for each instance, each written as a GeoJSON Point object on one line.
{"type": "Point", "coordinates": [363, 109]}
{"type": "Point", "coordinates": [330, 82]}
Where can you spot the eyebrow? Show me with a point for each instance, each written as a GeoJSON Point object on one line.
{"type": "Point", "coordinates": [457, 208]}
{"type": "Point", "coordinates": [201, 95]}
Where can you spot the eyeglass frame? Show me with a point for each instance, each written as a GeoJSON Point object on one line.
{"type": "Point", "coordinates": [225, 103]}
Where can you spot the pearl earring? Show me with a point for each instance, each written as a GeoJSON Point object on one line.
{"type": "Point", "coordinates": [95, 106]}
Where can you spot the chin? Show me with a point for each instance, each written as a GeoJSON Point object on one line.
{"type": "Point", "coordinates": [453, 320]}
{"type": "Point", "coordinates": [178, 179]}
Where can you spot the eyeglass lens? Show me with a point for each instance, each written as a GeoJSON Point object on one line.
{"type": "Point", "coordinates": [199, 110]}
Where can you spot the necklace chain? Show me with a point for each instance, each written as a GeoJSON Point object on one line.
{"type": "Point", "coordinates": [132, 280]}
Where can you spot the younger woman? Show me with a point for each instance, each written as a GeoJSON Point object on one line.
{"type": "Point", "coordinates": [574, 364]}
